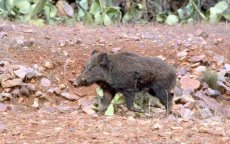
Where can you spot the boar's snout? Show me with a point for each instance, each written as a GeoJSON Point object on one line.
{"type": "Point", "coordinates": [80, 81]}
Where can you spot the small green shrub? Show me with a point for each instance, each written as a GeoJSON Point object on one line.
{"type": "Point", "coordinates": [210, 77]}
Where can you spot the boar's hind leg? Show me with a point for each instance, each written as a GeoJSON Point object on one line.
{"type": "Point", "coordinates": [164, 97]}
{"type": "Point", "coordinates": [107, 97]}
{"type": "Point", "coordinates": [129, 97]}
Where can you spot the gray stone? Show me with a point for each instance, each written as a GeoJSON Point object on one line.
{"type": "Point", "coordinates": [11, 83]}
{"type": "Point", "coordinates": [5, 96]}
{"type": "Point", "coordinates": [205, 113]}
{"type": "Point", "coordinates": [181, 54]}
{"type": "Point", "coordinates": [45, 82]}
{"type": "Point", "coordinates": [69, 96]}
{"type": "Point", "coordinates": [227, 67]}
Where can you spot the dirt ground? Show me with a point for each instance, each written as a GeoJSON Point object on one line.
{"type": "Point", "coordinates": [65, 123]}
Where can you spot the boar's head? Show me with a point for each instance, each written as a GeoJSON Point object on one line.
{"type": "Point", "coordinates": [96, 69]}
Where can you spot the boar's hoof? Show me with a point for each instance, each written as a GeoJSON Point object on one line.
{"type": "Point", "coordinates": [99, 113]}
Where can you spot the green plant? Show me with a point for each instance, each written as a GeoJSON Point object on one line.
{"type": "Point", "coordinates": [210, 77]}
{"type": "Point", "coordinates": [142, 100]}
{"type": "Point", "coordinates": [117, 100]}
{"type": "Point", "coordinates": [219, 11]}
{"type": "Point", "coordinates": [107, 12]}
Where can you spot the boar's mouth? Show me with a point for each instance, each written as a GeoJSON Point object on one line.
{"type": "Point", "coordinates": [80, 82]}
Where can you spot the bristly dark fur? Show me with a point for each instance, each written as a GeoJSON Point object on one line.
{"type": "Point", "coordinates": [128, 74]}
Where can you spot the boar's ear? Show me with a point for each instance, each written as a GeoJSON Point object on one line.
{"type": "Point", "coordinates": [102, 59]}
{"type": "Point", "coordinates": [94, 52]}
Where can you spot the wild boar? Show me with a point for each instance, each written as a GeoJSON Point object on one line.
{"type": "Point", "coordinates": [129, 73]}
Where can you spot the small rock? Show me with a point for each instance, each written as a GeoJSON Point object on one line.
{"type": "Point", "coordinates": [48, 65]}
{"type": "Point", "coordinates": [225, 138]}
{"type": "Point", "coordinates": [157, 126]}
{"type": "Point", "coordinates": [39, 94]}
{"type": "Point", "coordinates": [130, 114]}
{"type": "Point", "coordinates": [54, 90]}
{"type": "Point", "coordinates": [7, 27]}
{"type": "Point", "coordinates": [69, 96]}
{"type": "Point", "coordinates": [24, 91]}
{"type": "Point", "coordinates": [186, 113]}
{"type": "Point", "coordinates": [187, 45]}
{"type": "Point", "coordinates": [21, 99]}
{"type": "Point", "coordinates": [7, 90]}
{"type": "Point", "coordinates": [16, 92]}
{"type": "Point", "coordinates": [62, 86]}
{"type": "Point", "coordinates": [28, 31]}
{"type": "Point", "coordinates": [32, 73]}
{"type": "Point", "coordinates": [2, 127]}
{"type": "Point", "coordinates": [219, 59]}
{"type": "Point", "coordinates": [78, 41]}
{"type": "Point", "coordinates": [88, 110]}
{"type": "Point", "coordinates": [48, 103]}
{"type": "Point", "coordinates": [28, 43]}
{"type": "Point", "coordinates": [2, 35]}
{"type": "Point", "coordinates": [48, 110]}
{"type": "Point", "coordinates": [41, 69]}
{"type": "Point", "coordinates": [36, 103]}
{"type": "Point", "coordinates": [184, 99]}
{"type": "Point", "coordinates": [65, 53]}
{"type": "Point", "coordinates": [69, 62]}
{"type": "Point", "coordinates": [177, 91]}
{"type": "Point", "coordinates": [58, 129]}
{"type": "Point", "coordinates": [21, 72]}
{"type": "Point", "coordinates": [212, 93]}
{"type": "Point", "coordinates": [181, 54]}
{"type": "Point", "coordinates": [29, 73]}
{"type": "Point", "coordinates": [202, 34]}
{"type": "Point", "coordinates": [190, 105]}
{"type": "Point", "coordinates": [218, 40]}
{"type": "Point", "coordinates": [11, 83]}
{"type": "Point", "coordinates": [20, 108]}
{"type": "Point", "coordinates": [203, 129]}
{"type": "Point", "coordinates": [22, 42]}
{"type": "Point", "coordinates": [116, 50]}
{"type": "Point", "coordinates": [221, 75]}
{"type": "Point", "coordinates": [195, 59]}
{"type": "Point", "coordinates": [62, 43]}
{"type": "Point", "coordinates": [177, 128]}
{"type": "Point", "coordinates": [189, 83]}
{"type": "Point", "coordinates": [227, 67]}
{"type": "Point", "coordinates": [224, 87]}
{"type": "Point", "coordinates": [4, 77]}
{"type": "Point", "coordinates": [45, 82]}
{"type": "Point", "coordinates": [63, 108]}
{"type": "Point", "coordinates": [187, 91]}
{"type": "Point", "coordinates": [31, 87]}
{"type": "Point", "coordinates": [3, 63]}
{"type": "Point", "coordinates": [193, 65]}
{"type": "Point", "coordinates": [182, 71]}
{"type": "Point", "coordinates": [205, 113]}
{"type": "Point", "coordinates": [4, 107]}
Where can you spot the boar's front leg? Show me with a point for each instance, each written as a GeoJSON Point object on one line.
{"type": "Point", "coordinates": [129, 97]}
{"type": "Point", "coordinates": [107, 98]}
{"type": "Point", "coordinates": [164, 97]}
